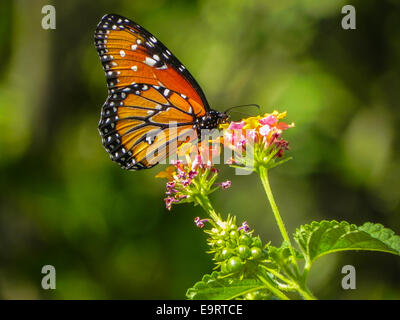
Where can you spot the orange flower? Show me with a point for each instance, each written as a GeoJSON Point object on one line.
{"type": "Point", "coordinates": [168, 173]}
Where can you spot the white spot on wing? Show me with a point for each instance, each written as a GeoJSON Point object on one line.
{"type": "Point", "coordinates": [149, 61]}
{"type": "Point", "coordinates": [149, 140]}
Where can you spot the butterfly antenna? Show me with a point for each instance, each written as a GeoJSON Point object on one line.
{"type": "Point", "coordinates": [243, 105]}
{"type": "Point", "coordinates": [242, 113]}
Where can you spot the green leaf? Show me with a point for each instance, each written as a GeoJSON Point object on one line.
{"type": "Point", "coordinates": [320, 238]}
{"type": "Point", "coordinates": [214, 287]}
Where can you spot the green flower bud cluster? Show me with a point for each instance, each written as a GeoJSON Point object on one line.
{"type": "Point", "coordinates": [235, 250]}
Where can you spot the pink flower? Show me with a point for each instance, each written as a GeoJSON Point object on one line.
{"type": "Point", "coordinates": [226, 184]}
{"type": "Point", "coordinates": [192, 174]}
{"type": "Point", "coordinates": [245, 227]}
{"type": "Point", "coordinates": [237, 125]}
{"type": "Point", "coordinates": [241, 143]}
{"type": "Point", "coordinates": [228, 136]}
{"type": "Point", "coordinates": [200, 222]}
{"type": "Point", "coordinates": [207, 154]}
{"type": "Point", "coordinates": [169, 201]}
{"type": "Point", "coordinates": [196, 162]}
{"type": "Point", "coordinates": [214, 170]}
{"type": "Point", "coordinates": [235, 139]}
{"type": "Point", "coordinates": [269, 120]}
{"type": "Point", "coordinates": [282, 145]}
{"type": "Point", "coordinates": [253, 134]}
{"type": "Point", "coordinates": [264, 130]}
{"type": "Point", "coordinates": [177, 163]}
{"type": "Point", "coordinates": [171, 188]}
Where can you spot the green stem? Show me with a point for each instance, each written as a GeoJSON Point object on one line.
{"type": "Point", "coordinates": [305, 292]}
{"type": "Point", "coordinates": [301, 286]}
{"type": "Point", "coordinates": [204, 202]}
{"type": "Point", "coordinates": [263, 172]}
{"type": "Point", "coordinates": [279, 294]}
{"type": "Point", "coordinates": [280, 276]}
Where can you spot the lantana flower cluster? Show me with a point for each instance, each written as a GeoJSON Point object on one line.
{"type": "Point", "coordinates": [191, 180]}
{"type": "Point", "coordinates": [256, 140]}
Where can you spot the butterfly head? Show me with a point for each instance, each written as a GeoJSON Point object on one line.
{"type": "Point", "coordinates": [212, 120]}
{"type": "Point", "coordinates": [224, 117]}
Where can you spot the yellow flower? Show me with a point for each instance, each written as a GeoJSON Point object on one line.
{"type": "Point", "coordinates": [251, 122]}
{"type": "Point", "coordinates": [280, 115]}
{"type": "Point", "coordinates": [224, 125]}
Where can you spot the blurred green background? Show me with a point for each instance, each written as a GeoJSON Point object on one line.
{"type": "Point", "coordinates": [106, 230]}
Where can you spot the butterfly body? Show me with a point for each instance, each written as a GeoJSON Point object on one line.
{"type": "Point", "coordinates": [212, 119]}
{"type": "Point", "coordinates": [154, 103]}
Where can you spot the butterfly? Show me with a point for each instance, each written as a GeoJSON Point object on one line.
{"type": "Point", "coordinates": [154, 104]}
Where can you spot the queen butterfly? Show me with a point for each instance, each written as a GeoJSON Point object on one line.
{"type": "Point", "coordinates": [150, 91]}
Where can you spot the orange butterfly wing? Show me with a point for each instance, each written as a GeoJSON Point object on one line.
{"type": "Point", "coordinates": [149, 89]}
